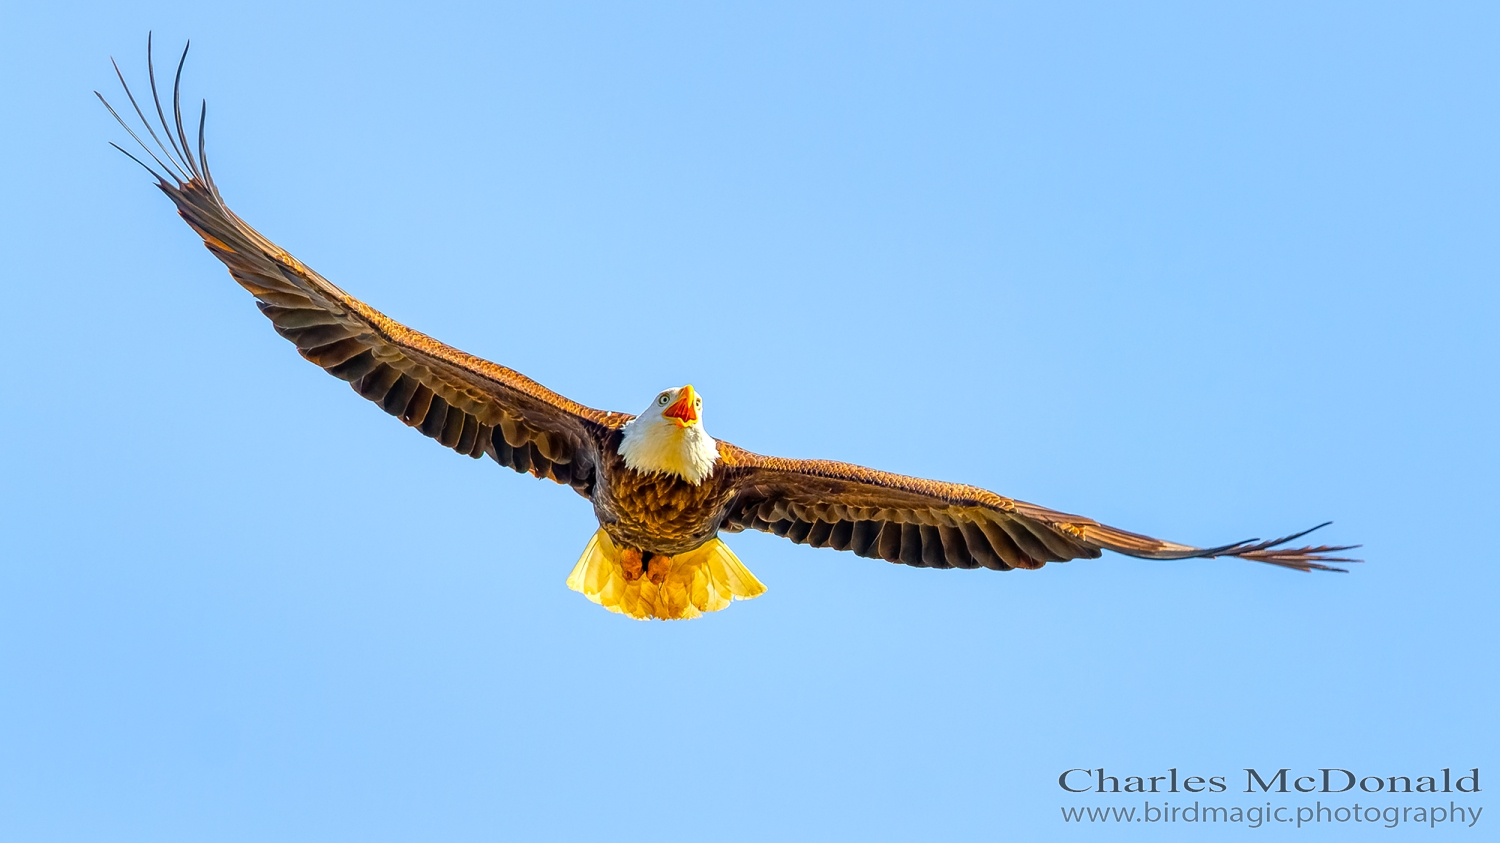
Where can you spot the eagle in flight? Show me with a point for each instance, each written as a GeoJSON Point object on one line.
{"type": "Point", "coordinates": [662, 487]}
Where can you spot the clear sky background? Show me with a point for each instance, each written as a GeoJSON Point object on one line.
{"type": "Point", "coordinates": [1202, 273]}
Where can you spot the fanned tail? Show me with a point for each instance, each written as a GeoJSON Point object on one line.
{"type": "Point", "coordinates": [706, 579]}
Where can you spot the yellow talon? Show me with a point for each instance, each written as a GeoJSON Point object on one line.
{"type": "Point", "coordinates": [658, 569]}
{"type": "Point", "coordinates": [630, 564]}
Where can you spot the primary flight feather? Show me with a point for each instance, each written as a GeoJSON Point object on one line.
{"type": "Point", "coordinates": [662, 488]}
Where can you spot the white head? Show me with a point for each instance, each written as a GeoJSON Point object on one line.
{"type": "Point", "coordinates": [668, 437]}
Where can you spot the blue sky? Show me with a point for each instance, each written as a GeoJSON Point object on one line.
{"type": "Point", "coordinates": [1204, 273]}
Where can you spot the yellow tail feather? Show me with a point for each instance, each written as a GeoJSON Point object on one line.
{"type": "Point", "coordinates": [705, 579]}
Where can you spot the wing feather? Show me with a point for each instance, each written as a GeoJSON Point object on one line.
{"type": "Point", "coordinates": [931, 524]}
{"type": "Point", "coordinates": [470, 405]}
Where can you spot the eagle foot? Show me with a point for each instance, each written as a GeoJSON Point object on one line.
{"type": "Point", "coordinates": [630, 564]}
{"type": "Point", "coordinates": [658, 568]}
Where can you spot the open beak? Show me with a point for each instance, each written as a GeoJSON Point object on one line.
{"type": "Point", "coordinates": [684, 411]}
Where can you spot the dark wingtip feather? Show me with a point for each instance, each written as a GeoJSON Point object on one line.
{"type": "Point", "coordinates": [1298, 558]}
{"type": "Point", "coordinates": [1271, 552]}
{"type": "Point", "coordinates": [154, 173]}
{"type": "Point", "coordinates": [177, 110]}
{"type": "Point", "coordinates": [208, 176]}
{"type": "Point", "coordinates": [1203, 552]}
{"type": "Point", "coordinates": [173, 168]}
{"type": "Point", "coordinates": [173, 155]}
{"type": "Point", "coordinates": [156, 98]}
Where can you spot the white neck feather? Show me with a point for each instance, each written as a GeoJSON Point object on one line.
{"type": "Point", "coordinates": [657, 445]}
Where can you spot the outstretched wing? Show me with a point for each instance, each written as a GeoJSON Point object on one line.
{"type": "Point", "coordinates": [470, 405]}
{"type": "Point", "coordinates": [929, 524]}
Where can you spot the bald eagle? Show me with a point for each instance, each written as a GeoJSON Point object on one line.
{"type": "Point", "coordinates": [663, 488]}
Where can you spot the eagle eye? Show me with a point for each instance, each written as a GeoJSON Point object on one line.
{"type": "Point", "coordinates": [663, 398]}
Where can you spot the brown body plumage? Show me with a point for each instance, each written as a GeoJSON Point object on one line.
{"type": "Point", "coordinates": [655, 511]}
{"type": "Point", "coordinates": [479, 409]}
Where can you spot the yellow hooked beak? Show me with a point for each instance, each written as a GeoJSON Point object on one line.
{"type": "Point", "coordinates": [684, 411]}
